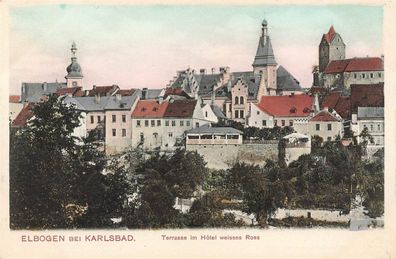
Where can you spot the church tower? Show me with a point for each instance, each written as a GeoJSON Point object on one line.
{"type": "Point", "coordinates": [265, 64]}
{"type": "Point", "coordinates": [74, 75]}
{"type": "Point", "coordinates": [331, 48]}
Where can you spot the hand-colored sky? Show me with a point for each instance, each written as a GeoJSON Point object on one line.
{"type": "Point", "coordinates": [144, 46]}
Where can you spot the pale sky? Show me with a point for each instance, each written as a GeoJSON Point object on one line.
{"type": "Point", "coordinates": [144, 46]}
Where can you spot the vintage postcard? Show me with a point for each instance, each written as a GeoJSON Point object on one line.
{"type": "Point", "coordinates": [186, 130]}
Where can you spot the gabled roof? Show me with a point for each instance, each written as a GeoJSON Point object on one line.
{"type": "Point", "coordinates": [250, 79]}
{"type": "Point", "coordinates": [217, 112]}
{"type": "Point", "coordinates": [67, 90]}
{"type": "Point", "coordinates": [32, 92]}
{"type": "Point", "coordinates": [123, 103]}
{"type": "Point", "coordinates": [285, 80]}
{"type": "Point", "coordinates": [150, 94]}
{"type": "Point", "coordinates": [14, 99]}
{"type": "Point", "coordinates": [103, 90]}
{"type": "Point", "coordinates": [180, 108]}
{"type": "Point", "coordinates": [206, 129]}
{"type": "Point", "coordinates": [370, 112]}
{"type": "Point", "coordinates": [265, 54]}
{"type": "Point", "coordinates": [355, 65]}
{"type": "Point", "coordinates": [24, 116]}
{"type": "Point", "coordinates": [149, 109]}
{"type": "Point", "coordinates": [367, 96]}
{"type": "Point", "coordinates": [341, 104]}
{"type": "Point", "coordinates": [287, 105]}
{"type": "Point", "coordinates": [324, 116]}
{"type": "Point", "coordinates": [126, 92]}
{"type": "Point", "coordinates": [175, 91]}
{"type": "Point", "coordinates": [329, 36]}
{"type": "Point", "coordinates": [206, 82]}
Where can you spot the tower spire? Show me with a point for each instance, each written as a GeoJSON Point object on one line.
{"type": "Point", "coordinates": [74, 73]}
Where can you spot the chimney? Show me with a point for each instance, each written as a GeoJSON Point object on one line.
{"type": "Point", "coordinates": [97, 98]}
{"type": "Point", "coordinates": [315, 104]}
{"type": "Point", "coordinates": [202, 71]}
{"type": "Point", "coordinates": [144, 93]}
{"type": "Point", "coordinates": [213, 96]}
{"type": "Point", "coordinates": [213, 70]}
{"type": "Point", "coordinates": [118, 97]}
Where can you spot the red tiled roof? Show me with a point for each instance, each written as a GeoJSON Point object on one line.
{"type": "Point", "coordinates": [126, 92]}
{"type": "Point", "coordinates": [341, 104]}
{"type": "Point", "coordinates": [175, 91]}
{"type": "Point", "coordinates": [323, 116]}
{"type": "Point", "coordinates": [102, 90]}
{"type": "Point", "coordinates": [286, 106]}
{"type": "Point", "coordinates": [181, 108]}
{"type": "Point", "coordinates": [67, 90]}
{"type": "Point", "coordinates": [355, 65]}
{"type": "Point", "coordinates": [367, 96]}
{"type": "Point", "coordinates": [79, 93]}
{"type": "Point", "coordinates": [329, 36]}
{"type": "Point", "coordinates": [318, 90]}
{"type": "Point", "coordinates": [149, 109]}
{"type": "Point", "coordinates": [14, 98]}
{"type": "Point", "coordinates": [24, 115]}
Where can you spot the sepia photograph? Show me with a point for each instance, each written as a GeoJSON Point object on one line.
{"type": "Point", "coordinates": [179, 117]}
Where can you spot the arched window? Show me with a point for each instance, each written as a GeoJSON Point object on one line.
{"type": "Point", "coordinates": [236, 99]}
{"type": "Point", "coordinates": [241, 100]}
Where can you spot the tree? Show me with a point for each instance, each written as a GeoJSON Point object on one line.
{"type": "Point", "coordinates": [56, 178]}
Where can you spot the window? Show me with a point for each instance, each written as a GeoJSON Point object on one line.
{"type": "Point", "coordinates": [258, 112]}
{"type": "Point", "coordinates": [124, 118]}
{"type": "Point", "coordinates": [167, 123]}
{"type": "Point", "coordinates": [275, 123]}
{"type": "Point", "coordinates": [114, 132]}
{"type": "Point", "coordinates": [229, 107]}
{"type": "Point", "coordinates": [379, 127]}
{"type": "Point", "coordinates": [236, 114]}
{"type": "Point", "coordinates": [379, 74]}
{"type": "Point", "coordinates": [74, 83]}
{"type": "Point", "coordinates": [242, 114]}
{"type": "Point", "coordinates": [181, 123]}
{"type": "Point", "coordinates": [92, 119]}
{"type": "Point", "coordinates": [329, 126]}
{"type": "Point", "coordinates": [158, 122]}
{"type": "Point", "coordinates": [197, 124]}
{"type": "Point", "coordinates": [264, 122]}
{"type": "Point", "coordinates": [206, 114]}
{"type": "Point", "coordinates": [291, 123]}
{"type": "Point", "coordinates": [317, 127]}
{"type": "Point", "coordinates": [146, 123]}
{"type": "Point", "coordinates": [241, 101]}
{"type": "Point", "coordinates": [155, 134]}
{"type": "Point", "coordinates": [152, 123]}
{"type": "Point", "coordinates": [371, 127]}
{"type": "Point", "coordinates": [98, 119]}
{"type": "Point", "coordinates": [113, 118]}
{"type": "Point", "coordinates": [283, 123]}
{"type": "Point", "coordinates": [363, 75]}
{"type": "Point", "coordinates": [141, 137]}
{"type": "Point", "coordinates": [124, 132]}
{"type": "Point", "coordinates": [170, 134]}
{"type": "Point", "coordinates": [138, 123]}
{"type": "Point", "coordinates": [173, 123]}
{"type": "Point", "coordinates": [354, 75]}
{"type": "Point", "coordinates": [236, 99]}
{"type": "Point", "coordinates": [371, 75]}
{"type": "Point", "coordinates": [188, 123]}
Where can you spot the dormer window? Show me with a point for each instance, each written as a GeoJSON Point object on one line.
{"type": "Point", "coordinates": [293, 110]}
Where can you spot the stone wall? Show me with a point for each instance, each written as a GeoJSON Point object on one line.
{"type": "Point", "coordinates": [224, 156]}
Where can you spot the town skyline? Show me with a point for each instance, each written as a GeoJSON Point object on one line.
{"type": "Point", "coordinates": [142, 58]}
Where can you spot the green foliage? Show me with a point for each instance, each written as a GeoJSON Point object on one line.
{"type": "Point", "coordinates": [208, 212]}
{"type": "Point", "coordinates": [55, 177]}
